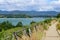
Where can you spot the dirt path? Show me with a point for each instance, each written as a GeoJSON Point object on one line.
{"type": "Point", "coordinates": [52, 34]}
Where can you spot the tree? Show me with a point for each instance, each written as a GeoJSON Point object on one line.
{"type": "Point", "coordinates": [58, 15]}
{"type": "Point", "coordinates": [32, 22]}
{"type": "Point", "coordinates": [19, 24]}
{"type": "Point", "coordinates": [6, 25]}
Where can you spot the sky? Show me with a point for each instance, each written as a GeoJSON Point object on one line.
{"type": "Point", "coordinates": [30, 5]}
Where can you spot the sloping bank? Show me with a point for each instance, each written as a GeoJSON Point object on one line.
{"type": "Point", "coordinates": [34, 31]}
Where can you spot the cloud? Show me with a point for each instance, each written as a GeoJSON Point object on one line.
{"type": "Point", "coordinates": [46, 8]}
{"type": "Point", "coordinates": [56, 5]}
{"type": "Point", "coordinates": [30, 5]}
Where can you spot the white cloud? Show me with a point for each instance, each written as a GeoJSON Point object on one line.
{"type": "Point", "coordinates": [21, 4]}
{"type": "Point", "coordinates": [39, 5]}
{"type": "Point", "coordinates": [46, 8]}
{"type": "Point", "coordinates": [56, 5]}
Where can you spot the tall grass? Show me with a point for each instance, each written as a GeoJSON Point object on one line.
{"type": "Point", "coordinates": [7, 34]}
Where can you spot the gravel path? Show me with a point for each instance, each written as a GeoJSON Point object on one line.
{"type": "Point", "coordinates": [52, 34]}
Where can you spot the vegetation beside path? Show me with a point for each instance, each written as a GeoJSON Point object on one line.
{"type": "Point", "coordinates": [32, 31]}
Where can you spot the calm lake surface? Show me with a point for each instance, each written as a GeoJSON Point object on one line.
{"type": "Point", "coordinates": [25, 21]}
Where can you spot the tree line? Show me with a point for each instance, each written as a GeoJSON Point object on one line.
{"type": "Point", "coordinates": [7, 25]}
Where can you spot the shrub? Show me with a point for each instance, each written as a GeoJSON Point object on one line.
{"type": "Point", "coordinates": [6, 25]}
{"type": "Point", "coordinates": [19, 24]}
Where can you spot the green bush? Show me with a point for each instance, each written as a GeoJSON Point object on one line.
{"type": "Point", "coordinates": [19, 24]}
{"type": "Point", "coordinates": [6, 25]}
{"type": "Point", "coordinates": [8, 34]}
{"type": "Point", "coordinates": [58, 15]}
{"type": "Point", "coordinates": [27, 32]}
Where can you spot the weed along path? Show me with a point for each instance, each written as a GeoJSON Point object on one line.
{"type": "Point", "coordinates": [51, 33]}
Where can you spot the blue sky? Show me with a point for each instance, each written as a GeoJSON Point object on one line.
{"type": "Point", "coordinates": [30, 5]}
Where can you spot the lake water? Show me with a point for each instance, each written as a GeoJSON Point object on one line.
{"type": "Point", "coordinates": [25, 21]}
